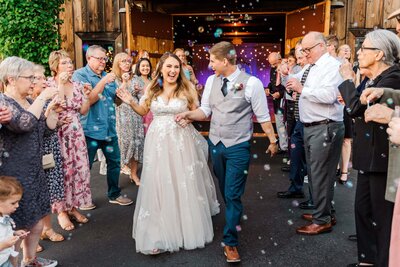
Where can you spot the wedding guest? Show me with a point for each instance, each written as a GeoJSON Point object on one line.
{"type": "Point", "coordinates": [322, 118]}
{"type": "Point", "coordinates": [129, 124]}
{"type": "Point", "coordinates": [22, 151]}
{"type": "Point", "coordinates": [378, 53]}
{"type": "Point", "coordinates": [230, 132]}
{"type": "Point", "coordinates": [54, 175]}
{"type": "Point", "coordinates": [99, 124]}
{"type": "Point", "coordinates": [344, 54]}
{"type": "Point", "coordinates": [141, 54]}
{"type": "Point", "coordinates": [72, 140]}
{"type": "Point", "coordinates": [332, 44]}
{"type": "Point", "coordinates": [10, 194]}
{"type": "Point", "coordinates": [177, 195]}
{"type": "Point", "coordinates": [187, 69]}
{"type": "Point", "coordinates": [143, 78]}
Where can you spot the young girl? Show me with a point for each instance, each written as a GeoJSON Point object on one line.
{"type": "Point", "coordinates": [10, 195]}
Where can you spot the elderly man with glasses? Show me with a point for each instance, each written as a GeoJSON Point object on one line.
{"type": "Point", "coordinates": [322, 117]}
{"type": "Point", "coordinates": [99, 124]}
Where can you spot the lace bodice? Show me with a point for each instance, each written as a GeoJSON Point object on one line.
{"type": "Point", "coordinates": [174, 106]}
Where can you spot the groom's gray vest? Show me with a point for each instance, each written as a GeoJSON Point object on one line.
{"type": "Point", "coordinates": [231, 119]}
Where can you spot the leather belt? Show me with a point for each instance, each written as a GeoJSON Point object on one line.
{"type": "Point", "coordinates": [327, 121]}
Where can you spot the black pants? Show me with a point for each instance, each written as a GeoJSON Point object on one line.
{"type": "Point", "coordinates": [373, 216]}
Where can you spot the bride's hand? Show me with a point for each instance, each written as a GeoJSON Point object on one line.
{"type": "Point", "coordinates": [124, 95]}
{"type": "Point", "coordinates": [183, 122]}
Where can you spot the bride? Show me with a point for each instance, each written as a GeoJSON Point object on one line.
{"type": "Point", "coordinates": [177, 195]}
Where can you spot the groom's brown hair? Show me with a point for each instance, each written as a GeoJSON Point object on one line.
{"type": "Point", "coordinates": [223, 50]}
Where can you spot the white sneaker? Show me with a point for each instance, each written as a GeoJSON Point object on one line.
{"type": "Point", "coordinates": [103, 168]}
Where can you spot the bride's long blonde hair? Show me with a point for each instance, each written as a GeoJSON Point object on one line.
{"type": "Point", "coordinates": [184, 87]}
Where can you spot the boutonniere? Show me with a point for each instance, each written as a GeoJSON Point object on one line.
{"type": "Point", "coordinates": [237, 87]}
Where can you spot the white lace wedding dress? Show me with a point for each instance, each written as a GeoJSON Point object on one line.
{"type": "Point", "coordinates": [177, 195]}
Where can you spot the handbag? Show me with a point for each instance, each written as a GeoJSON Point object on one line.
{"type": "Point", "coordinates": [48, 161]}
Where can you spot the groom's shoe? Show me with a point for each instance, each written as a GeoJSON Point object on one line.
{"type": "Point", "coordinates": [232, 254]}
{"type": "Point", "coordinates": [290, 194]}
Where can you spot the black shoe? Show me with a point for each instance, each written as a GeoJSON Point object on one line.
{"type": "Point", "coordinates": [290, 194]}
{"type": "Point", "coordinates": [285, 168]}
{"type": "Point", "coordinates": [307, 205]}
{"type": "Point", "coordinates": [352, 237]}
{"type": "Point", "coordinates": [358, 265]}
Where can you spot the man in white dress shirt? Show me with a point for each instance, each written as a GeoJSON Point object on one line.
{"type": "Point", "coordinates": [322, 117]}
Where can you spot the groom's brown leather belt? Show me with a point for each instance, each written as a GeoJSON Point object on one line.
{"type": "Point", "coordinates": [327, 121]}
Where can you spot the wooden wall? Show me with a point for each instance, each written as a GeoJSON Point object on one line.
{"type": "Point", "coordinates": [100, 20]}
{"type": "Point", "coordinates": [360, 16]}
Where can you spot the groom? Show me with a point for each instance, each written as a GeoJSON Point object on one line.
{"type": "Point", "coordinates": [232, 97]}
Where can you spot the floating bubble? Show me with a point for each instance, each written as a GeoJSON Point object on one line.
{"type": "Point", "coordinates": [324, 144]}
{"type": "Point", "coordinates": [144, 21]}
{"type": "Point", "coordinates": [85, 47]}
{"type": "Point", "coordinates": [238, 228]}
{"type": "Point", "coordinates": [69, 238]}
{"type": "Point", "coordinates": [284, 160]}
{"type": "Point", "coordinates": [160, 82]}
{"type": "Point", "coordinates": [293, 146]}
{"type": "Point", "coordinates": [214, 151]}
{"type": "Point", "coordinates": [374, 224]}
{"type": "Point", "coordinates": [222, 244]}
{"type": "Point", "coordinates": [88, 215]}
{"type": "Point", "coordinates": [295, 203]}
{"type": "Point", "coordinates": [261, 197]}
{"type": "Point", "coordinates": [93, 143]}
{"type": "Point", "coordinates": [259, 237]}
{"type": "Point", "coordinates": [244, 217]}
{"type": "Point", "coordinates": [275, 244]}
{"type": "Point", "coordinates": [389, 101]}
{"type": "Point", "coordinates": [111, 109]}
{"type": "Point", "coordinates": [6, 154]}
{"type": "Point", "coordinates": [216, 35]}
{"type": "Point", "coordinates": [255, 156]}
{"type": "Point", "coordinates": [383, 155]}
{"type": "Point", "coordinates": [263, 252]}
{"type": "Point", "coordinates": [270, 28]}
{"type": "Point", "coordinates": [267, 167]}
{"type": "Point", "coordinates": [367, 135]}
{"type": "Point", "coordinates": [219, 31]}
{"type": "Point", "coordinates": [200, 29]}
{"type": "Point", "coordinates": [187, 53]}
{"type": "Point", "coordinates": [290, 222]}
{"type": "Point", "coordinates": [349, 184]}
{"type": "Point", "coordinates": [245, 172]}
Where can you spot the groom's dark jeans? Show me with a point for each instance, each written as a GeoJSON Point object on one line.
{"type": "Point", "coordinates": [230, 165]}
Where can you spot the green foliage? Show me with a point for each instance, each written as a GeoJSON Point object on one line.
{"type": "Point", "coordinates": [29, 29]}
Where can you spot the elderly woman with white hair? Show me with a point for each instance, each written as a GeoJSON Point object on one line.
{"type": "Point", "coordinates": [21, 151]}
{"type": "Point", "coordinates": [379, 55]}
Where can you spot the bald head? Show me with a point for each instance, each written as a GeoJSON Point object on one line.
{"type": "Point", "coordinates": [274, 59]}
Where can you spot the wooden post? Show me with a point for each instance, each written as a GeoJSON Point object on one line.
{"type": "Point", "coordinates": [129, 36]}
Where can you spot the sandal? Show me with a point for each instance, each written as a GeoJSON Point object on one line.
{"type": "Point", "coordinates": [135, 180]}
{"type": "Point", "coordinates": [342, 181]}
{"type": "Point", "coordinates": [65, 222]}
{"type": "Point", "coordinates": [39, 248]}
{"type": "Point", "coordinates": [51, 235]}
{"type": "Point", "coordinates": [79, 218]}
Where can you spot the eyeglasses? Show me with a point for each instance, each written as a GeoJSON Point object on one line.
{"type": "Point", "coordinates": [41, 77]}
{"type": "Point", "coordinates": [66, 62]}
{"type": "Point", "coordinates": [105, 59]}
{"type": "Point", "coordinates": [126, 61]}
{"type": "Point", "coordinates": [308, 50]}
{"type": "Point", "coordinates": [362, 48]}
{"type": "Point", "coordinates": [31, 78]}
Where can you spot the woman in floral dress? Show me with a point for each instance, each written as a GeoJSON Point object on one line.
{"type": "Point", "coordinates": [143, 73]}
{"type": "Point", "coordinates": [54, 176]}
{"type": "Point", "coordinates": [72, 140]}
{"type": "Point", "coordinates": [129, 124]}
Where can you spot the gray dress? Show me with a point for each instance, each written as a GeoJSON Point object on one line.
{"type": "Point", "coordinates": [130, 127]}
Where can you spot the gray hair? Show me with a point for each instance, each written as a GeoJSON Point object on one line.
{"type": "Point", "coordinates": [93, 48]}
{"type": "Point", "coordinates": [13, 67]}
{"type": "Point", "coordinates": [39, 68]}
{"type": "Point", "coordinates": [387, 42]}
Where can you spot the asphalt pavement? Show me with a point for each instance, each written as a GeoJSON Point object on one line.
{"type": "Point", "coordinates": [267, 238]}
